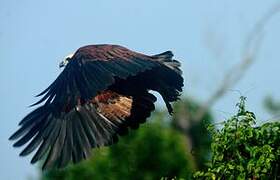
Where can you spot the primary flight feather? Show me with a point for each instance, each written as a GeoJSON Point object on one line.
{"type": "Point", "coordinates": [102, 91]}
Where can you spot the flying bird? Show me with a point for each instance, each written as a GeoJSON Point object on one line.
{"type": "Point", "coordinates": [102, 91]}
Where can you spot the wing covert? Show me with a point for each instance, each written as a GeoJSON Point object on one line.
{"type": "Point", "coordinates": [85, 75]}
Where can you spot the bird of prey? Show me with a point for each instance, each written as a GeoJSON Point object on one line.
{"type": "Point", "coordinates": [102, 91]}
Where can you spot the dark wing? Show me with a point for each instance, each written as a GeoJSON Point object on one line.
{"type": "Point", "coordinates": [85, 106]}
{"type": "Point", "coordinates": [92, 70]}
{"type": "Point", "coordinates": [68, 125]}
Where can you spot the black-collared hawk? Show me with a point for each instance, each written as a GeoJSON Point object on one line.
{"type": "Point", "coordinates": [102, 91]}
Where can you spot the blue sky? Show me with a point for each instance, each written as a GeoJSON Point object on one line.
{"type": "Point", "coordinates": [206, 36]}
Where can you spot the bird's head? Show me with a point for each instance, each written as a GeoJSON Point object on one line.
{"type": "Point", "coordinates": [65, 60]}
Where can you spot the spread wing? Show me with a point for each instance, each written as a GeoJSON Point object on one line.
{"type": "Point", "coordinates": [69, 123]}
{"type": "Point", "coordinates": [93, 69]}
{"type": "Point", "coordinates": [86, 107]}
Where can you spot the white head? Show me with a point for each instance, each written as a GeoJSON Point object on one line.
{"type": "Point", "coordinates": [65, 60]}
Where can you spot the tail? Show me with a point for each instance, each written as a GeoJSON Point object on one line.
{"type": "Point", "coordinates": [169, 80]}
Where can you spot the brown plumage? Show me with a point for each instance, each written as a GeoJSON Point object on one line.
{"type": "Point", "coordinates": [112, 105]}
{"type": "Point", "coordinates": [102, 91]}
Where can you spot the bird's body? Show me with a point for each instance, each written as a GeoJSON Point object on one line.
{"type": "Point", "coordinates": [102, 91]}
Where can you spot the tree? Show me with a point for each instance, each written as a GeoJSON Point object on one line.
{"type": "Point", "coordinates": [242, 151]}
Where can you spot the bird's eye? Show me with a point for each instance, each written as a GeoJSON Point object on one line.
{"type": "Point", "coordinates": [68, 59]}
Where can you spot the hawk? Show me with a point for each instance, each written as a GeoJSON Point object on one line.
{"type": "Point", "coordinates": [102, 91]}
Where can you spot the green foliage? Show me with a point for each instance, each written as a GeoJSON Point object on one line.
{"type": "Point", "coordinates": [153, 151]}
{"type": "Point", "coordinates": [242, 151]}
